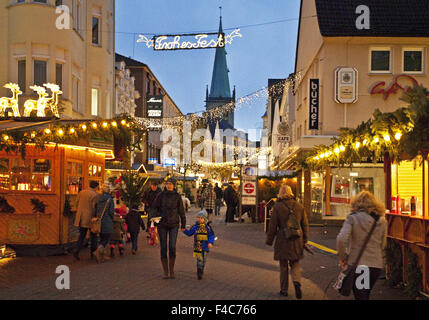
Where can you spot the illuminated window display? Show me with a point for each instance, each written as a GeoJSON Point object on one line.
{"type": "Point", "coordinates": [346, 183]}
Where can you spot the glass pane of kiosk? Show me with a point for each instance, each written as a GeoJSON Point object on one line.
{"type": "Point", "coordinates": [21, 174]}
{"type": "Point", "coordinates": [4, 174]}
{"type": "Point", "coordinates": [41, 177]}
{"type": "Point", "coordinates": [74, 178]}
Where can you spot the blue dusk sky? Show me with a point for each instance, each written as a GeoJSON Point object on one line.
{"type": "Point", "coordinates": [266, 50]}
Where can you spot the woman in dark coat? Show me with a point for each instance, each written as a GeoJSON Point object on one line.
{"type": "Point", "coordinates": [169, 206]}
{"type": "Point", "coordinates": [288, 251]}
{"type": "Point", "coordinates": [104, 203]}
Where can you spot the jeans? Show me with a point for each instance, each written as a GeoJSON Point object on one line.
{"type": "Point", "coordinates": [82, 236]}
{"type": "Point", "coordinates": [104, 239]}
{"type": "Point", "coordinates": [363, 294]}
{"type": "Point", "coordinates": [201, 263]}
{"type": "Point", "coordinates": [230, 213]}
{"type": "Point", "coordinates": [134, 239]}
{"type": "Point", "coordinates": [172, 235]}
{"type": "Point", "coordinates": [218, 204]}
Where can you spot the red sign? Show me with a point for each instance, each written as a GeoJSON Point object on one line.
{"type": "Point", "coordinates": [249, 188]}
{"type": "Point", "coordinates": [399, 83]}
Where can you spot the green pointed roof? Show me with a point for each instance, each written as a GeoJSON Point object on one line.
{"type": "Point", "coordinates": [220, 81]}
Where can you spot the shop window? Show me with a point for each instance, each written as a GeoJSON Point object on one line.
{"type": "Point", "coordinates": [59, 74]}
{"type": "Point", "coordinates": [407, 182]}
{"type": "Point", "coordinates": [413, 60]}
{"type": "Point", "coordinates": [22, 75]}
{"type": "Point", "coordinates": [4, 174]}
{"type": "Point", "coordinates": [94, 171]}
{"type": "Point", "coordinates": [96, 30]}
{"type": "Point", "coordinates": [40, 72]}
{"type": "Point", "coordinates": [380, 60]}
{"type": "Point", "coordinates": [21, 174]}
{"type": "Point", "coordinates": [74, 178]}
{"type": "Point", "coordinates": [41, 175]}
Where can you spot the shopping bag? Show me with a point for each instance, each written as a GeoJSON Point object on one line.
{"type": "Point", "coordinates": [153, 235]}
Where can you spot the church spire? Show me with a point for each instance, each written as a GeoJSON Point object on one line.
{"type": "Point", "coordinates": [220, 81]}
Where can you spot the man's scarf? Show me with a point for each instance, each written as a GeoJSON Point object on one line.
{"type": "Point", "coordinates": [201, 236]}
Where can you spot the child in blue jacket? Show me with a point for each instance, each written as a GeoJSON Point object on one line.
{"type": "Point", "coordinates": [203, 241]}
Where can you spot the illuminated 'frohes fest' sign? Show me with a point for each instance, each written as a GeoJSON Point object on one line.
{"type": "Point", "coordinates": [199, 41]}
{"type": "Point", "coordinates": [40, 105]}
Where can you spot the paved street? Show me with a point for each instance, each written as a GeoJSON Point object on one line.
{"type": "Point", "coordinates": [240, 267]}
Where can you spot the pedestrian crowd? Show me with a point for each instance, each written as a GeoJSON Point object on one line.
{"type": "Point", "coordinates": [360, 242]}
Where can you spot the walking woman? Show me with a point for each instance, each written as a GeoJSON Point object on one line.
{"type": "Point", "coordinates": [366, 209]}
{"type": "Point", "coordinates": [105, 209]}
{"type": "Point", "coordinates": [288, 249]}
{"type": "Point", "coordinates": [169, 206]}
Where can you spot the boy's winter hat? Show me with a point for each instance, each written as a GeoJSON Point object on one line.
{"type": "Point", "coordinates": [203, 214]}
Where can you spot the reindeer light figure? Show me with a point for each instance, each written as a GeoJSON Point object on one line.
{"type": "Point", "coordinates": [12, 102]}
{"type": "Point", "coordinates": [53, 101]}
{"type": "Point", "coordinates": [38, 105]}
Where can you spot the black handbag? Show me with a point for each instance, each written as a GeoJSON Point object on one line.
{"type": "Point", "coordinates": [346, 278]}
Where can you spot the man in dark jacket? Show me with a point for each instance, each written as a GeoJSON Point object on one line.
{"type": "Point", "coordinates": [218, 201]}
{"type": "Point", "coordinates": [169, 206]}
{"type": "Point", "coordinates": [231, 200]}
{"type": "Point", "coordinates": [148, 199]}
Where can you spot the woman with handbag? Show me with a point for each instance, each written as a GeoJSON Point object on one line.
{"type": "Point", "coordinates": [361, 242]}
{"type": "Point", "coordinates": [105, 210]}
{"type": "Point", "coordinates": [289, 225]}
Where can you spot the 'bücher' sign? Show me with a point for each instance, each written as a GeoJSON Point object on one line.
{"type": "Point", "coordinates": [314, 105]}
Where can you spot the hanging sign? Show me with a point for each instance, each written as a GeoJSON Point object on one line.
{"type": "Point", "coordinates": [154, 106]}
{"type": "Point", "coordinates": [189, 41]}
{"type": "Point", "coordinates": [313, 123]}
{"type": "Point", "coordinates": [346, 85]}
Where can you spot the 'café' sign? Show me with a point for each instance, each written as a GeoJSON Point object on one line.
{"type": "Point", "coordinates": [402, 82]}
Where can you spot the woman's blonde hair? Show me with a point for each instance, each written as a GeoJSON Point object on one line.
{"type": "Point", "coordinates": [285, 192]}
{"type": "Point", "coordinates": [365, 201]}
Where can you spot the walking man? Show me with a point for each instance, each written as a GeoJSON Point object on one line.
{"type": "Point", "coordinates": [85, 204]}
{"type": "Point", "coordinates": [218, 201]}
{"type": "Point", "coordinates": [231, 200]}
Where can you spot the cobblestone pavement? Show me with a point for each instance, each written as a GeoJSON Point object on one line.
{"type": "Point", "coordinates": [239, 267]}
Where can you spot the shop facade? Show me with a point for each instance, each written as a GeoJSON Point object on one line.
{"type": "Point", "coordinates": [342, 75]}
{"type": "Point", "coordinates": [51, 177]}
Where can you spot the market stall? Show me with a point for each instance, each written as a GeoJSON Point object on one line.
{"type": "Point", "coordinates": [38, 195]}
{"type": "Point", "coordinates": [408, 219]}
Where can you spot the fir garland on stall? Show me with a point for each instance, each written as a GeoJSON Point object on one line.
{"type": "Point", "coordinates": [38, 205]}
{"type": "Point", "coordinates": [393, 260]}
{"type": "Point", "coordinates": [67, 212]}
{"type": "Point", "coordinates": [414, 274]}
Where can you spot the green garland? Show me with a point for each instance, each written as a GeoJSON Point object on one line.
{"type": "Point", "coordinates": [127, 132]}
{"type": "Point", "coordinates": [393, 259]}
{"type": "Point", "coordinates": [411, 122]}
{"type": "Point", "coordinates": [414, 274]}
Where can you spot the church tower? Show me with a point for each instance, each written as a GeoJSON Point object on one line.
{"type": "Point", "coordinates": [220, 91]}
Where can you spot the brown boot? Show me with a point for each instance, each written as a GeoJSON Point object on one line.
{"type": "Point", "coordinates": [171, 266]}
{"type": "Point", "coordinates": [165, 268]}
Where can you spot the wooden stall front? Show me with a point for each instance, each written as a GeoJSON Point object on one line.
{"type": "Point", "coordinates": [48, 177]}
{"type": "Point", "coordinates": [408, 220]}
